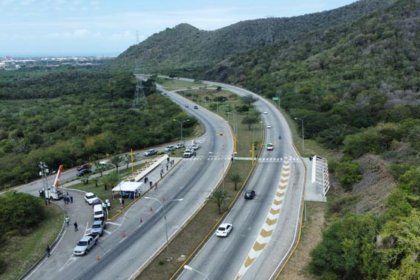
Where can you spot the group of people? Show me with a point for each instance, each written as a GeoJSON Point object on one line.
{"type": "Point", "coordinates": [68, 198]}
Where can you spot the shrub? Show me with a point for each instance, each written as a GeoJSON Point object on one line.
{"type": "Point", "coordinates": [348, 174]}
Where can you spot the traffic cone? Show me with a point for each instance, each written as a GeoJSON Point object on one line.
{"type": "Point", "coordinates": [123, 235]}
{"type": "Point", "coordinates": [151, 209]}
{"type": "Point", "coordinates": [97, 258]}
{"type": "Point", "coordinates": [163, 199]}
{"type": "Point", "coordinates": [141, 220]}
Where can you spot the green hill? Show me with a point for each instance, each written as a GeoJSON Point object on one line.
{"type": "Point", "coordinates": [188, 49]}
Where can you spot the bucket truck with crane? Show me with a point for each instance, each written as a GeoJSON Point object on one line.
{"type": "Point", "coordinates": [53, 192]}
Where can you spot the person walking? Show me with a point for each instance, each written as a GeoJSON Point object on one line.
{"type": "Point", "coordinates": [75, 226]}
{"type": "Point", "coordinates": [150, 184]}
{"type": "Point", "coordinates": [67, 219]}
{"type": "Point", "coordinates": [71, 199]}
{"type": "Point", "coordinates": [167, 166]}
{"type": "Point", "coordinates": [48, 251]}
{"type": "Point", "coordinates": [156, 186]}
{"type": "Point", "coordinates": [122, 203]}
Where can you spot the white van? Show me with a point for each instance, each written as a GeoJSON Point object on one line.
{"type": "Point", "coordinates": [98, 212]}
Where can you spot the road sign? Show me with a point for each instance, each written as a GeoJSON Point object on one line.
{"type": "Point", "coordinates": [275, 98]}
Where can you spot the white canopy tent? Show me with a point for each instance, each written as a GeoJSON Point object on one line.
{"type": "Point", "coordinates": [128, 188]}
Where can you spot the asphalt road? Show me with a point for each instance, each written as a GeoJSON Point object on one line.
{"type": "Point", "coordinates": [143, 224]}
{"type": "Point", "coordinates": [223, 258]}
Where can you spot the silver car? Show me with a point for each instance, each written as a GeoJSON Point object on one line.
{"type": "Point", "coordinates": [98, 227]}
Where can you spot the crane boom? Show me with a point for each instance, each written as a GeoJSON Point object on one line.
{"type": "Point", "coordinates": [57, 178]}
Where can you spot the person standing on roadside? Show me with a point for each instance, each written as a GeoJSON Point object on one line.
{"type": "Point", "coordinates": [48, 251]}
{"type": "Point", "coordinates": [75, 226]}
{"type": "Point", "coordinates": [71, 199]}
{"type": "Point", "coordinates": [67, 219]}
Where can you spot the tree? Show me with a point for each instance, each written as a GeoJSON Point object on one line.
{"type": "Point", "coordinates": [219, 196]}
{"type": "Point", "coordinates": [100, 167]}
{"type": "Point", "coordinates": [250, 120]}
{"type": "Point", "coordinates": [236, 179]}
{"type": "Point", "coordinates": [248, 99]}
{"type": "Point", "coordinates": [116, 161]}
{"type": "Point", "coordinates": [126, 159]}
{"type": "Point", "coordinates": [403, 241]}
{"type": "Point", "coordinates": [110, 180]}
{"type": "Point", "coordinates": [348, 250]}
{"type": "Point", "coordinates": [85, 179]}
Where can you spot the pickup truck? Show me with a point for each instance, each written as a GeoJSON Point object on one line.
{"type": "Point", "coordinates": [86, 244]}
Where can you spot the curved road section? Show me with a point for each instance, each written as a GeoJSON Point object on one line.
{"type": "Point", "coordinates": [135, 237]}
{"type": "Point", "coordinates": [265, 228]}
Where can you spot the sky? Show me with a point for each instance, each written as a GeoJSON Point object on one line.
{"type": "Point", "coordinates": [109, 27]}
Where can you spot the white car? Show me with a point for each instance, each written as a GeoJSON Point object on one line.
{"type": "Point", "coordinates": [224, 230]}
{"type": "Point", "coordinates": [90, 197]}
{"type": "Point", "coordinates": [270, 146]}
{"type": "Point", "coordinates": [268, 125]}
{"type": "Point", "coordinates": [85, 244]}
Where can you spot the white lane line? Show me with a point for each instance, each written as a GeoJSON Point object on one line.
{"type": "Point", "coordinates": [115, 224]}
{"type": "Point", "coordinates": [231, 240]}
{"type": "Point", "coordinates": [72, 258]}
{"type": "Point", "coordinates": [246, 216]}
{"type": "Point", "coordinates": [106, 231]}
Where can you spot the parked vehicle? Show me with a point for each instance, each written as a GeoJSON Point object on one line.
{"type": "Point", "coordinates": [169, 148]}
{"type": "Point", "coordinates": [83, 172]}
{"type": "Point", "coordinates": [90, 197]}
{"type": "Point", "coordinates": [98, 212]}
{"type": "Point", "coordinates": [98, 227]}
{"type": "Point", "coordinates": [179, 146]}
{"type": "Point", "coordinates": [249, 194]}
{"type": "Point", "coordinates": [83, 166]}
{"type": "Point", "coordinates": [224, 230]}
{"type": "Point", "coordinates": [195, 107]}
{"type": "Point", "coordinates": [86, 244]}
{"type": "Point", "coordinates": [150, 152]}
{"type": "Point", "coordinates": [270, 147]}
{"type": "Point", "coordinates": [188, 153]}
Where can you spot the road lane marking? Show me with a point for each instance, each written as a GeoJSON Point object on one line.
{"type": "Point", "coordinates": [270, 222]}
{"type": "Point", "coordinates": [246, 216]}
{"type": "Point", "coordinates": [230, 242]}
{"type": "Point", "coordinates": [112, 223]}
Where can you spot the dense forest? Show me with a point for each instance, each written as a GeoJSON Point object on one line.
{"type": "Point", "coordinates": [68, 117]}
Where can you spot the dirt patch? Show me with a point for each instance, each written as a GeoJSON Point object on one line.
{"type": "Point", "coordinates": [311, 236]}
{"type": "Point", "coordinates": [375, 186]}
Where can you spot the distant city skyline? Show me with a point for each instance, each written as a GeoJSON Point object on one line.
{"type": "Point", "coordinates": [99, 27]}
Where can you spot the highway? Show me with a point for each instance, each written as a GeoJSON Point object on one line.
{"type": "Point", "coordinates": [192, 180]}
{"type": "Point", "coordinates": [227, 258]}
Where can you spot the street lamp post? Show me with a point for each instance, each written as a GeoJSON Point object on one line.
{"type": "Point", "coordinates": [181, 122]}
{"type": "Point", "coordinates": [166, 224]}
{"type": "Point", "coordinates": [187, 267]}
{"type": "Point", "coordinates": [303, 136]}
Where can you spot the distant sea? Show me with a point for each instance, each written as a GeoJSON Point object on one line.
{"type": "Point", "coordinates": [29, 55]}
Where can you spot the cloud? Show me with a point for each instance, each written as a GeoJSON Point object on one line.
{"type": "Point", "coordinates": [81, 32]}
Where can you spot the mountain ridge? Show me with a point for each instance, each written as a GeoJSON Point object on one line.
{"type": "Point", "coordinates": [187, 47]}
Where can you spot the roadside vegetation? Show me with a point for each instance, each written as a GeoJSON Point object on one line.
{"type": "Point", "coordinates": [25, 235]}
{"type": "Point", "coordinates": [204, 223]}
{"type": "Point", "coordinates": [69, 117]}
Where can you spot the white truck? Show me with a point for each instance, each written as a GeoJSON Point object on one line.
{"type": "Point", "coordinates": [53, 192]}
